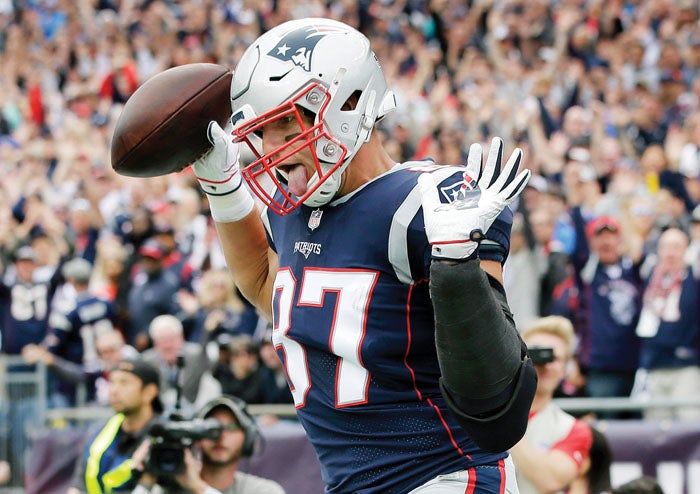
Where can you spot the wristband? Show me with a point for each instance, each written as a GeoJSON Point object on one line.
{"type": "Point", "coordinates": [231, 207]}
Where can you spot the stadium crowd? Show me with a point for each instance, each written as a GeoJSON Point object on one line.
{"type": "Point", "coordinates": [603, 97]}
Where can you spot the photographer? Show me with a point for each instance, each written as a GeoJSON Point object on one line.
{"type": "Point", "coordinates": [556, 447]}
{"type": "Point", "coordinates": [217, 470]}
{"type": "Point", "coordinates": [106, 463]}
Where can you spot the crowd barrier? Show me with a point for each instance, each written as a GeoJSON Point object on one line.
{"type": "Point", "coordinates": [22, 411]}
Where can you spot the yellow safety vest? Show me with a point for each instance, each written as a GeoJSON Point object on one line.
{"type": "Point", "coordinates": [116, 476]}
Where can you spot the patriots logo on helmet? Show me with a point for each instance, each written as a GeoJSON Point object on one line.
{"type": "Point", "coordinates": [297, 46]}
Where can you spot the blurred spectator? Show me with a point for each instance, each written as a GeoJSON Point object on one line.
{"type": "Point", "coordinates": [639, 224]}
{"type": "Point", "coordinates": [106, 456]}
{"type": "Point", "coordinates": [133, 227]}
{"type": "Point", "coordinates": [84, 224]}
{"type": "Point", "coordinates": [521, 276]}
{"type": "Point", "coordinates": [153, 293]}
{"type": "Point", "coordinates": [556, 446]}
{"type": "Point", "coordinates": [175, 260]}
{"type": "Point", "coordinates": [183, 366]}
{"type": "Point", "coordinates": [110, 347]}
{"type": "Point", "coordinates": [242, 375]}
{"type": "Point", "coordinates": [552, 259]}
{"type": "Point", "coordinates": [275, 386]}
{"type": "Point", "coordinates": [596, 476]}
{"type": "Point", "coordinates": [689, 159]}
{"type": "Point", "coordinates": [641, 485]}
{"type": "Point", "coordinates": [48, 255]}
{"type": "Point", "coordinates": [669, 327]}
{"type": "Point", "coordinates": [110, 276]}
{"type": "Point", "coordinates": [646, 124]}
{"type": "Point", "coordinates": [24, 307]}
{"type": "Point", "coordinates": [214, 309]}
{"type": "Point", "coordinates": [609, 285]}
{"type": "Point", "coordinates": [24, 303]}
{"type": "Point", "coordinates": [73, 333]}
{"type": "Point", "coordinates": [192, 231]}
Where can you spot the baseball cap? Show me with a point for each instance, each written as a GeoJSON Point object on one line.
{"type": "Point", "coordinates": [153, 249]}
{"type": "Point", "coordinates": [605, 222]}
{"type": "Point", "coordinates": [233, 404]}
{"type": "Point", "coordinates": [25, 253]}
{"type": "Point", "coordinates": [148, 374]}
{"type": "Point", "coordinates": [78, 269]}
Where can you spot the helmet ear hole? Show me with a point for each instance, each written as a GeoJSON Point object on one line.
{"type": "Point", "coordinates": [351, 103]}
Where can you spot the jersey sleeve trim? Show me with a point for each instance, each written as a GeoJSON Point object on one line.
{"type": "Point", "coordinates": [398, 233]}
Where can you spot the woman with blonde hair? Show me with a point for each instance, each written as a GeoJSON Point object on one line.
{"type": "Point", "coordinates": [215, 308]}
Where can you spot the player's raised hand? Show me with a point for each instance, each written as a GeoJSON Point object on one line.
{"type": "Point", "coordinates": [455, 229]}
{"type": "Point", "coordinates": [219, 175]}
{"type": "Point", "coordinates": [217, 170]}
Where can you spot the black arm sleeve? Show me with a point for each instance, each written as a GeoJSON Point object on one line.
{"type": "Point", "coordinates": [487, 380]}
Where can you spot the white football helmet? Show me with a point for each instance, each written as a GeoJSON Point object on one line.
{"type": "Point", "coordinates": [309, 65]}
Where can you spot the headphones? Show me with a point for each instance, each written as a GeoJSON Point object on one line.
{"type": "Point", "coordinates": [239, 408]}
{"type": "Point", "coordinates": [248, 424]}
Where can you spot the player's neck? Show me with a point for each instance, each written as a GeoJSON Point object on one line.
{"type": "Point", "coordinates": [370, 161]}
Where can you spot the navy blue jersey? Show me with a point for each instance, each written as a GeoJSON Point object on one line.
{"type": "Point", "coordinates": [74, 333]}
{"type": "Point", "coordinates": [25, 309]}
{"type": "Point", "coordinates": [353, 324]}
{"type": "Point", "coordinates": [676, 343]}
{"type": "Point", "coordinates": [151, 296]}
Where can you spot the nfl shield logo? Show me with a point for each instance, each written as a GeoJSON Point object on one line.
{"type": "Point", "coordinates": [315, 219]}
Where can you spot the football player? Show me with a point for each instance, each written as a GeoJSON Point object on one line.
{"type": "Point", "coordinates": [383, 280]}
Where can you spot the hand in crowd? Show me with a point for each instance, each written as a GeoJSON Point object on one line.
{"type": "Point", "coordinates": [33, 354]}
{"type": "Point", "coordinates": [5, 472]}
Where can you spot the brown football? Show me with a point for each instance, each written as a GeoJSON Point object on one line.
{"type": "Point", "coordinates": [163, 125]}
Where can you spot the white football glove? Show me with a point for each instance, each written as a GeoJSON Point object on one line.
{"type": "Point", "coordinates": [219, 175]}
{"type": "Point", "coordinates": [455, 229]}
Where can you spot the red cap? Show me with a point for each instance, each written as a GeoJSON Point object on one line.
{"type": "Point", "coordinates": [605, 222]}
{"type": "Point", "coordinates": [152, 249]}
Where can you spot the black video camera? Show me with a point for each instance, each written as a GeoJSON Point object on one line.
{"type": "Point", "coordinates": [541, 355]}
{"type": "Point", "coordinates": [170, 439]}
